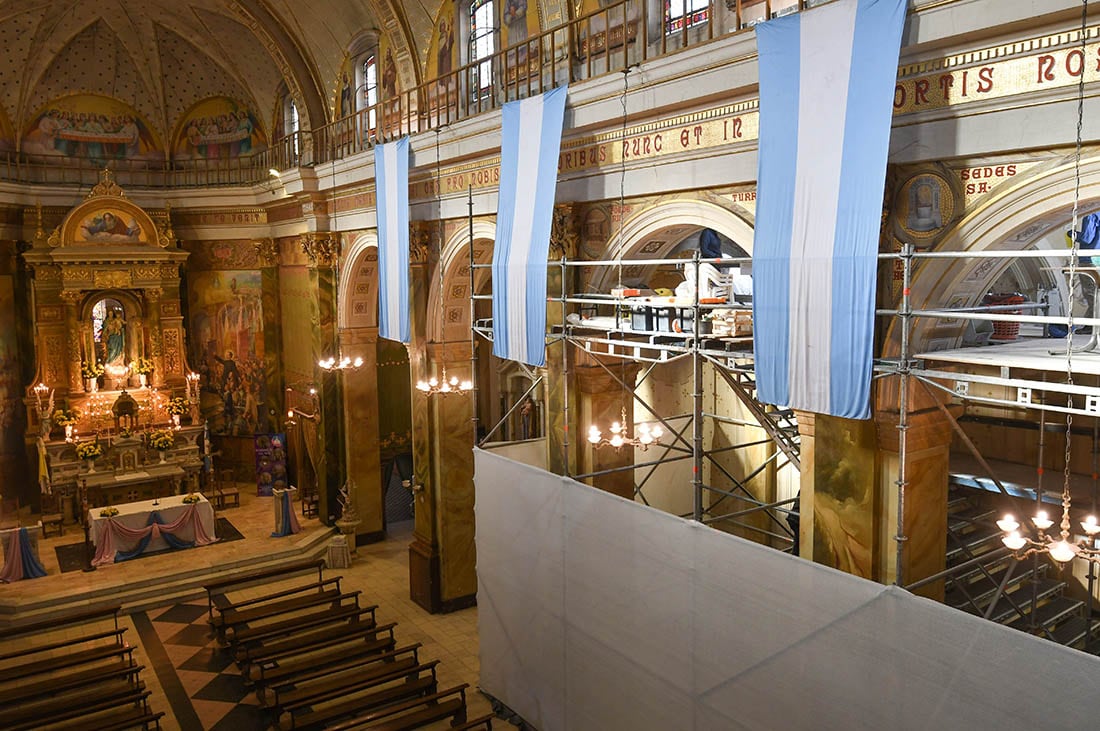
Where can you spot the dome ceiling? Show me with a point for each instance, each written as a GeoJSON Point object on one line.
{"type": "Point", "coordinates": [162, 57]}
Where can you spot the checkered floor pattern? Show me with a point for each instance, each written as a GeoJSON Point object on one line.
{"type": "Point", "coordinates": [202, 683]}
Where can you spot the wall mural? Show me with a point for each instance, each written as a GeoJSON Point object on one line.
{"type": "Point", "coordinates": [91, 127]}
{"type": "Point", "coordinates": [109, 225]}
{"type": "Point", "coordinates": [218, 128]}
{"type": "Point", "coordinates": [228, 349]}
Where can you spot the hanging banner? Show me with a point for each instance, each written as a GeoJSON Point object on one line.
{"type": "Point", "coordinates": [531, 140]}
{"type": "Point", "coordinates": [825, 115]}
{"type": "Point", "coordinates": [391, 173]}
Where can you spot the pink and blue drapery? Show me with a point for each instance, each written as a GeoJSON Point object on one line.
{"type": "Point", "coordinates": [530, 142]}
{"type": "Point", "coordinates": [827, 80]}
{"type": "Point", "coordinates": [391, 177]}
{"type": "Point", "coordinates": [113, 535]}
{"type": "Point", "coordinates": [20, 561]}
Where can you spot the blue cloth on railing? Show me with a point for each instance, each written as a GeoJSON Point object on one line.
{"type": "Point", "coordinates": [32, 569]}
{"type": "Point", "coordinates": [173, 542]}
{"type": "Point", "coordinates": [287, 526]}
{"type": "Point", "coordinates": [1089, 236]}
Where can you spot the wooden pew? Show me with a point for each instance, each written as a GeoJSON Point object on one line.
{"type": "Point", "coordinates": [412, 714]}
{"type": "Point", "coordinates": [270, 606]}
{"type": "Point", "coordinates": [356, 698]}
{"type": "Point", "coordinates": [52, 709]}
{"type": "Point", "coordinates": [216, 591]}
{"type": "Point", "coordinates": [273, 694]}
{"type": "Point", "coordinates": [133, 712]}
{"type": "Point", "coordinates": [72, 658]}
{"type": "Point", "coordinates": [485, 722]}
{"type": "Point", "coordinates": [280, 663]}
{"type": "Point", "coordinates": [319, 625]}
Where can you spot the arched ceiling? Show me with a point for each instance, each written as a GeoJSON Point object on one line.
{"type": "Point", "coordinates": [163, 56]}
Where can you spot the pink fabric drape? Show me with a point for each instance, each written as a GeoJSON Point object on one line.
{"type": "Point", "coordinates": [13, 566]}
{"type": "Point", "coordinates": [115, 533]}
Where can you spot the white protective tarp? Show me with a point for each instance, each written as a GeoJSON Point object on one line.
{"type": "Point", "coordinates": [595, 612]}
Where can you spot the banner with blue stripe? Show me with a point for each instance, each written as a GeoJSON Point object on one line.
{"type": "Point", "coordinates": [531, 140]}
{"type": "Point", "coordinates": [827, 80]}
{"type": "Point", "coordinates": [391, 177]}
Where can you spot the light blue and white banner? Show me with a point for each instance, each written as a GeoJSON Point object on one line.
{"type": "Point", "coordinates": [827, 80]}
{"type": "Point", "coordinates": [391, 178]}
{"type": "Point", "coordinates": [531, 140]}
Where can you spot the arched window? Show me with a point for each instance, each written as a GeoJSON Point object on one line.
{"type": "Point", "coordinates": [290, 122]}
{"type": "Point", "coordinates": [483, 44]}
{"type": "Point", "coordinates": [679, 13]}
{"type": "Point", "coordinates": [369, 98]}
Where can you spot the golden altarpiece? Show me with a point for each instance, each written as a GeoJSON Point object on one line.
{"type": "Point", "coordinates": [109, 350]}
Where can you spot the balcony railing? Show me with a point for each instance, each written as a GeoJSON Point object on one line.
{"type": "Point", "coordinates": [603, 42]}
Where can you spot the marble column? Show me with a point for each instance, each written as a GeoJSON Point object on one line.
{"type": "Point", "coordinates": [72, 330]}
{"type": "Point", "coordinates": [849, 495]}
{"type": "Point", "coordinates": [153, 334]}
{"type": "Point", "coordinates": [600, 401]}
{"type": "Point", "coordinates": [364, 466]}
{"type": "Point", "coordinates": [927, 449]}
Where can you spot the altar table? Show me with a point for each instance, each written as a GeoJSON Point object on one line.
{"type": "Point", "coordinates": [151, 525]}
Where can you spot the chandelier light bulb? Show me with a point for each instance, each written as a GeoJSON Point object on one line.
{"type": "Point", "coordinates": [616, 439]}
{"type": "Point", "coordinates": [357, 362]}
{"type": "Point", "coordinates": [1008, 523]}
{"type": "Point", "coordinates": [616, 427]}
{"type": "Point", "coordinates": [445, 388]}
{"type": "Point", "coordinates": [466, 386]}
{"type": "Point", "coordinates": [1014, 541]}
{"type": "Point", "coordinates": [594, 434]}
{"type": "Point", "coordinates": [423, 386]}
{"type": "Point", "coordinates": [1063, 551]}
{"type": "Point", "coordinates": [1090, 526]}
{"type": "Point", "coordinates": [1041, 521]}
{"type": "Point", "coordinates": [657, 431]}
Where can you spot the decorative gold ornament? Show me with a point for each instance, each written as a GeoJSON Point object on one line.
{"type": "Point", "coordinates": [106, 187]}
{"type": "Point", "coordinates": [323, 249]}
{"type": "Point", "coordinates": [267, 251]}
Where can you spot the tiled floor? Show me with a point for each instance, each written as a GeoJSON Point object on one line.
{"type": "Point", "coordinates": [196, 683]}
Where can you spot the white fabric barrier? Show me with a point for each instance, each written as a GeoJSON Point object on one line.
{"type": "Point", "coordinates": [595, 612]}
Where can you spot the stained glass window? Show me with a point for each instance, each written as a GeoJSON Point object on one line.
{"type": "Point", "coordinates": [483, 41]}
{"type": "Point", "coordinates": [681, 12]}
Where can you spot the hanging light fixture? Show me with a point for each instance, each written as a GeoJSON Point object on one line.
{"type": "Point", "coordinates": [443, 384]}
{"type": "Point", "coordinates": [620, 436]}
{"type": "Point", "coordinates": [338, 362]}
{"type": "Point", "coordinates": [1064, 547]}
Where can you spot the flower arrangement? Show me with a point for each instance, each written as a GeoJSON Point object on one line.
{"type": "Point", "coordinates": [125, 432]}
{"type": "Point", "coordinates": [161, 439]}
{"type": "Point", "coordinates": [65, 417]}
{"type": "Point", "coordinates": [89, 450]}
{"type": "Point", "coordinates": [177, 406]}
{"type": "Point", "coordinates": [192, 498]}
{"type": "Point", "coordinates": [108, 512]}
{"type": "Point", "coordinates": [91, 370]}
{"type": "Point", "coordinates": [141, 365]}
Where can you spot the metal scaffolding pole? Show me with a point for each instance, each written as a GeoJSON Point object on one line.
{"type": "Point", "coordinates": [903, 409]}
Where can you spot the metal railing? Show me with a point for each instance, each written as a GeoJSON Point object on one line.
{"type": "Point", "coordinates": [606, 41]}
{"type": "Point", "coordinates": [602, 42]}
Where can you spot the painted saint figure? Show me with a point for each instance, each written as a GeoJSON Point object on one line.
{"type": "Point", "coordinates": [113, 328]}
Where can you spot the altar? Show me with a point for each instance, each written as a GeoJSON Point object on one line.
{"type": "Point", "coordinates": [149, 526]}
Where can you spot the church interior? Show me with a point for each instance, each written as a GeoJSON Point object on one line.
{"type": "Point", "coordinates": [388, 531]}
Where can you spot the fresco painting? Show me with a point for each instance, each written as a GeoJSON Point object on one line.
{"type": "Point", "coordinates": [228, 349]}
{"type": "Point", "coordinates": [218, 128]}
{"type": "Point", "coordinates": [91, 127]}
{"type": "Point", "coordinates": [109, 225]}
